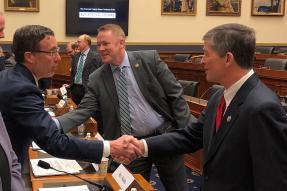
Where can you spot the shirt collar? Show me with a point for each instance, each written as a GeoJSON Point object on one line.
{"type": "Point", "coordinates": [36, 80]}
{"type": "Point", "coordinates": [232, 90]}
{"type": "Point", "coordinates": [86, 52]}
{"type": "Point", "coordinates": [125, 63]}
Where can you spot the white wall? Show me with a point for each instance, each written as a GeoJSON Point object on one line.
{"type": "Point", "coordinates": [148, 26]}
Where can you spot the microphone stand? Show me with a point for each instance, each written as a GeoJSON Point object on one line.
{"type": "Point", "coordinates": [46, 165]}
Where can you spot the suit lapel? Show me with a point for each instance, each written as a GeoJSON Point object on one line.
{"type": "Point", "coordinates": [229, 117]}
{"type": "Point", "coordinates": [139, 73]}
{"type": "Point", "coordinates": [110, 86]}
{"type": "Point", "coordinates": [75, 64]}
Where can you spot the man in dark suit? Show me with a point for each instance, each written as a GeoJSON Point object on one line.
{"type": "Point", "coordinates": [83, 64]}
{"type": "Point", "coordinates": [244, 143]}
{"type": "Point", "coordinates": [22, 105]}
{"type": "Point", "coordinates": [151, 104]}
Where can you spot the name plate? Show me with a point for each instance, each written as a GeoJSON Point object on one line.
{"type": "Point", "coordinates": [123, 177]}
{"type": "Point", "coordinates": [61, 103]}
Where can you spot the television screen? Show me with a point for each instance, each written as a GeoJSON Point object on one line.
{"type": "Point", "coordinates": [86, 16]}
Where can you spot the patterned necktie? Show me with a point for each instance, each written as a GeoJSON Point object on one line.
{"type": "Point", "coordinates": [124, 103]}
{"type": "Point", "coordinates": [219, 113]}
{"type": "Point", "coordinates": [78, 78]}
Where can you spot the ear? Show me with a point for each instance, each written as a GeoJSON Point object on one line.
{"type": "Point", "coordinates": [29, 58]}
{"type": "Point", "coordinates": [229, 58]}
{"type": "Point", "coordinates": [122, 42]}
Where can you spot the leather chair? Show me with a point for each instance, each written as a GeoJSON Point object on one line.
{"type": "Point", "coordinates": [182, 57]}
{"type": "Point", "coordinates": [190, 88]}
{"type": "Point", "coordinates": [282, 51]}
{"type": "Point", "coordinates": [265, 50]}
{"type": "Point", "coordinates": [276, 63]}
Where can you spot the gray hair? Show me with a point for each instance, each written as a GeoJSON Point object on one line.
{"type": "Point", "coordinates": [238, 39]}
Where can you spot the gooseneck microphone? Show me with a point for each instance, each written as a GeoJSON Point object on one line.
{"type": "Point", "coordinates": [46, 165]}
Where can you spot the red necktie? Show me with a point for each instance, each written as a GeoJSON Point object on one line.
{"type": "Point", "coordinates": [219, 113]}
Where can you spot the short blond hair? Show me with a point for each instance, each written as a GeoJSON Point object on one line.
{"type": "Point", "coordinates": [116, 29]}
{"type": "Point", "coordinates": [86, 38]}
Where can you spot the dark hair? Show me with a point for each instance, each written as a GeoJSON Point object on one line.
{"type": "Point", "coordinates": [27, 39]}
{"type": "Point", "coordinates": [74, 45]}
{"type": "Point", "coordinates": [235, 38]}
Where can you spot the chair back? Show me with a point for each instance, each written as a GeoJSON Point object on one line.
{"type": "Point", "coordinates": [182, 57]}
{"type": "Point", "coordinates": [282, 51]}
{"type": "Point", "coordinates": [213, 89]}
{"type": "Point", "coordinates": [265, 50]}
{"type": "Point", "coordinates": [190, 88]}
{"type": "Point", "coordinates": [276, 63]}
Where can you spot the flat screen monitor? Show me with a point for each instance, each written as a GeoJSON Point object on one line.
{"type": "Point", "coordinates": [86, 16]}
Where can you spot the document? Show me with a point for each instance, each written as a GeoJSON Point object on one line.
{"type": "Point", "coordinates": [67, 188]}
{"type": "Point", "coordinates": [70, 166]}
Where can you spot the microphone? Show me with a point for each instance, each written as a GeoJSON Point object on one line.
{"type": "Point", "coordinates": [46, 165]}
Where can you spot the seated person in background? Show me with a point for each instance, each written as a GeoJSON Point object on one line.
{"type": "Point", "coordinates": [71, 48]}
{"type": "Point", "coordinates": [10, 169]}
{"type": "Point", "coordinates": [22, 104]}
{"type": "Point", "coordinates": [10, 61]}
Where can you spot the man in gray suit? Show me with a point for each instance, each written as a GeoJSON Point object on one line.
{"type": "Point", "coordinates": [10, 173]}
{"type": "Point", "coordinates": [134, 93]}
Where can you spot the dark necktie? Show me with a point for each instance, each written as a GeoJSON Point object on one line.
{"type": "Point", "coordinates": [78, 79]}
{"type": "Point", "coordinates": [219, 113]}
{"type": "Point", "coordinates": [124, 103]}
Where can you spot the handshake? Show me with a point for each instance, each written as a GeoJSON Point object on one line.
{"type": "Point", "coordinates": [126, 149]}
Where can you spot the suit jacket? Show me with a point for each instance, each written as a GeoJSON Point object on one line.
{"type": "Point", "coordinates": [249, 150]}
{"type": "Point", "coordinates": [91, 64]}
{"type": "Point", "coordinates": [22, 107]}
{"type": "Point", "coordinates": [17, 183]}
{"type": "Point", "coordinates": [156, 82]}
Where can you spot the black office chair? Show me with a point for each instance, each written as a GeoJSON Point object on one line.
{"type": "Point", "coordinates": [282, 51]}
{"type": "Point", "coordinates": [265, 50]}
{"type": "Point", "coordinates": [190, 88]}
{"type": "Point", "coordinates": [213, 89]}
{"type": "Point", "coordinates": [276, 63]}
{"type": "Point", "coordinates": [182, 57]}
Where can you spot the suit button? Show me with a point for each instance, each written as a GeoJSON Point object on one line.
{"type": "Point", "coordinates": [206, 177]}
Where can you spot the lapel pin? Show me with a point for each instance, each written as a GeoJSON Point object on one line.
{"type": "Point", "coordinates": [228, 119]}
{"type": "Point", "coordinates": [137, 65]}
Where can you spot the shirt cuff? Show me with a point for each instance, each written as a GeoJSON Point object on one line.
{"type": "Point", "coordinates": [106, 151]}
{"type": "Point", "coordinates": [145, 148]}
{"type": "Point", "coordinates": [57, 123]}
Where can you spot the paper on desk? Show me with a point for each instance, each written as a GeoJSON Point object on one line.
{"type": "Point", "coordinates": [70, 166]}
{"type": "Point", "coordinates": [67, 188]}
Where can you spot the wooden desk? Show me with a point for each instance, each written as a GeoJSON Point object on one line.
{"type": "Point", "coordinates": [38, 182]}
{"type": "Point", "coordinates": [60, 180]}
{"type": "Point", "coordinates": [260, 58]}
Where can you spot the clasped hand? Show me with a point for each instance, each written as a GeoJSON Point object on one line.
{"type": "Point", "coordinates": [126, 149]}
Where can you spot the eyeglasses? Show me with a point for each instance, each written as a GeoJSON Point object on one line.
{"type": "Point", "coordinates": [52, 53]}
